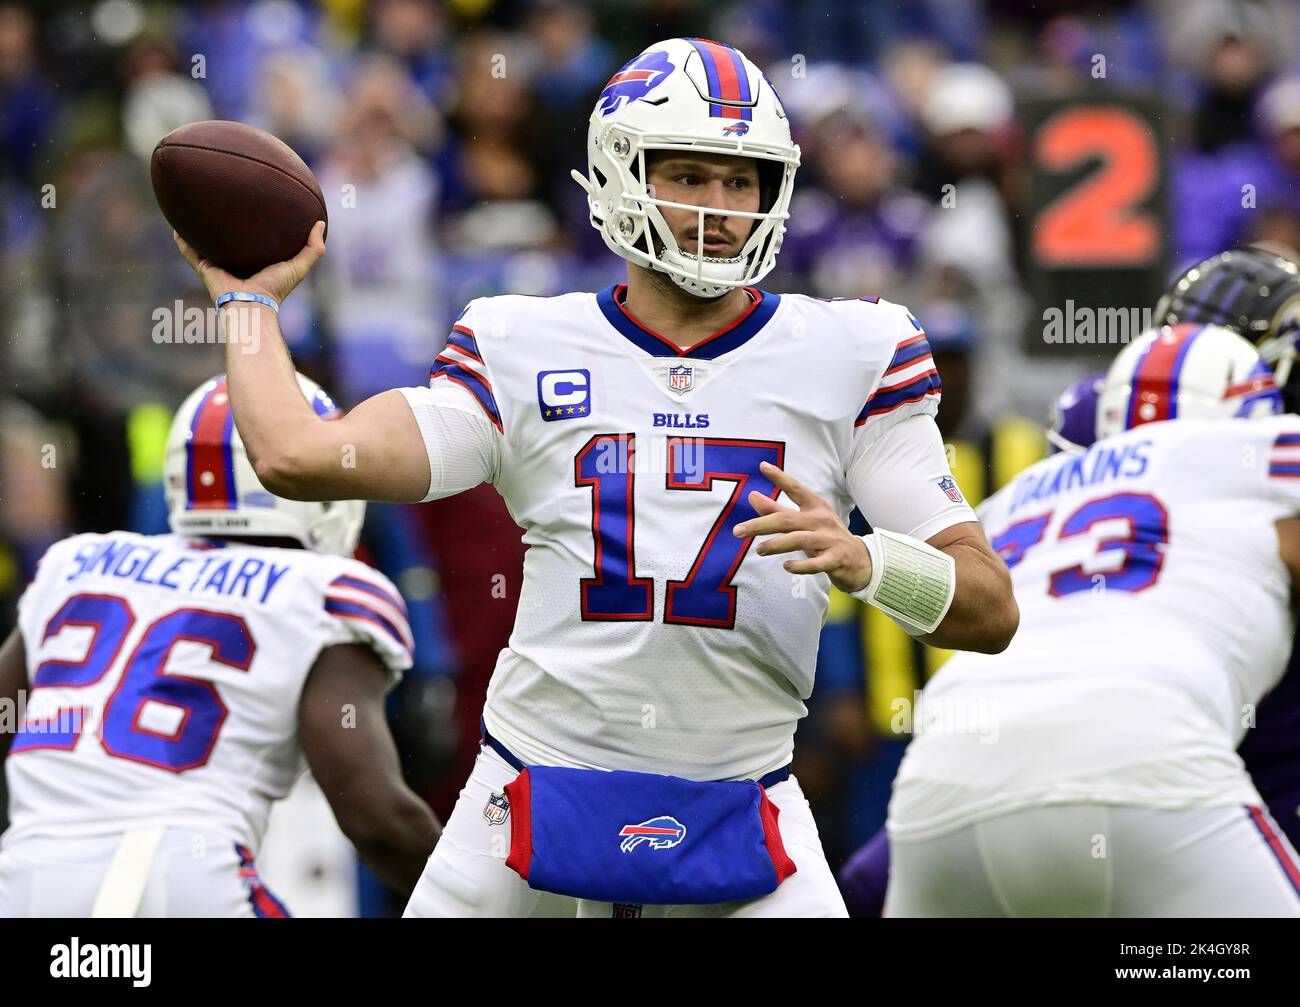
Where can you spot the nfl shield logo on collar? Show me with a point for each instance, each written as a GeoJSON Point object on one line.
{"type": "Point", "coordinates": [681, 378]}
{"type": "Point", "coordinates": [497, 809]}
{"type": "Point", "coordinates": [949, 485]}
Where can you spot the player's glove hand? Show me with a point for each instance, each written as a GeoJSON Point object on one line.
{"type": "Point", "coordinates": [276, 281]}
{"type": "Point", "coordinates": [813, 529]}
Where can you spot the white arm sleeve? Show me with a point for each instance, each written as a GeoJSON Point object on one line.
{"type": "Point", "coordinates": [463, 446]}
{"type": "Point", "coordinates": [900, 479]}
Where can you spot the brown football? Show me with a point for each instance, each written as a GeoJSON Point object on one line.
{"type": "Point", "coordinates": [238, 195]}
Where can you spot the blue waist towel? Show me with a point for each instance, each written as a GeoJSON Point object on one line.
{"type": "Point", "coordinates": [644, 838]}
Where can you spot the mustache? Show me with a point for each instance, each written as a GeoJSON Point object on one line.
{"type": "Point", "coordinates": [722, 232]}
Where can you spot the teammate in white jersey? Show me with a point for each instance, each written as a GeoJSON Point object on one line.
{"type": "Point", "coordinates": [172, 684]}
{"type": "Point", "coordinates": [642, 436]}
{"type": "Point", "coordinates": [1090, 769]}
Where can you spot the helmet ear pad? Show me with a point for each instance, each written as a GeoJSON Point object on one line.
{"type": "Point", "coordinates": [769, 184]}
{"type": "Point", "coordinates": [770, 174]}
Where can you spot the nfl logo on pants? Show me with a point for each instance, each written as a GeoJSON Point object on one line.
{"type": "Point", "coordinates": [497, 809]}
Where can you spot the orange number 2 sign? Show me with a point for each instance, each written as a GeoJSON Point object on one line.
{"type": "Point", "coordinates": [1097, 222]}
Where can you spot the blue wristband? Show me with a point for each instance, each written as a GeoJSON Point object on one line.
{"type": "Point", "coordinates": [240, 295]}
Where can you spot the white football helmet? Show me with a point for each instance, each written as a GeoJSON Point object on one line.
{"type": "Point", "coordinates": [1188, 371]}
{"type": "Point", "coordinates": [687, 94]}
{"type": "Point", "coordinates": [213, 491]}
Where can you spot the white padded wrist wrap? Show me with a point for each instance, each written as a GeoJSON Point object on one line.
{"type": "Point", "coordinates": [911, 582]}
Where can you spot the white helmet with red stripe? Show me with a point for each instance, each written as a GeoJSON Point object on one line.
{"type": "Point", "coordinates": [1185, 371]}
{"type": "Point", "coordinates": [213, 491]}
{"type": "Point", "coordinates": [688, 94]}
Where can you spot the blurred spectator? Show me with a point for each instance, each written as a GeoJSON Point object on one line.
{"type": "Point", "coordinates": [227, 42]}
{"type": "Point", "coordinates": [1236, 67]}
{"type": "Point", "coordinates": [297, 101]}
{"type": "Point", "coordinates": [853, 228]}
{"type": "Point", "coordinates": [1218, 195]}
{"type": "Point", "coordinates": [909, 69]}
{"type": "Point", "coordinates": [120, 345]}
{"type": "Point", "coordinates": [495, 181]}
{"type": "Point", "coordinates": [158, 98]}
{"type": "Point", "coordinates": [27, 99]}
{"type": "Point", "coordinates": [376, 283]}
{"type": "Point", "coordinates": [36, 460]}
{"type": "Point", "coordinates": [1277, 230]}
{"type": "Point", "coordinates": [415, 33]}
{"type": "Point", "coordinates": [966, 251]}
{"type": "Point", "coordinates": [1228, 50]}
{"type": "Point", "coordinates": [573, 63]}
{"type": "Point", "coordinates": [967, 115]}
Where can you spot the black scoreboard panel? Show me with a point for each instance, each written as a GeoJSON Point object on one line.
{"type": "Point", "coordinates": [1095, 229]}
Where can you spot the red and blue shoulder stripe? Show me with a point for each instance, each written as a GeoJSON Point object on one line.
{"type": "Point", "coordinates": [1284, 461]}
{"type": "Point", "coordinates": [371, 588]}
{"type": "Point", "coordinates": [461, 362]}
{"type": "Point", "coordinates": [909, 376]}
{"type": "Point", "coordinates": [360, 600]}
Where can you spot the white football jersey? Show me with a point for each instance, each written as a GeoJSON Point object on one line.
{"type": "Point", "coordinates": [1154, 614]}
{"type": "Point", "coordinates": [648, 636]}
{"type": "Point", "coordinates": [165, 674]}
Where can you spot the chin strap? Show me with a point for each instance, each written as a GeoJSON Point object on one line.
{"type": "Point", "coordinates": [719, 268]}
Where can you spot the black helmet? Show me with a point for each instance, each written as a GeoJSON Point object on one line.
{"type": "Point", "coordinates": [1252, 291]}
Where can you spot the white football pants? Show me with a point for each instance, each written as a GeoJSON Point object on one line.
{"type": "Point", "coordinates": [175, 872]}
{"type": "Point", "coordinates": [1100, 860]}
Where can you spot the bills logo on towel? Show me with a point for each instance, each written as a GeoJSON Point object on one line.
{"type": "Point", "coordinates": [660, 833]}
{"type": "Point", "coordinates": [572, 831]}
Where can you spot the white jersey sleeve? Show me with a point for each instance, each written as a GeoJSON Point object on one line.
{"type": "Point", "coordinates": [909, 383]}
{"type": "Point", "coordinates": [1255, 462]}
{"type": "Point", "coordinates": [458, 414]}
{"type": "Point", "coordinates": [362, 606]}
{"type": "Point", "coordinates": [1279, 446]}
{"type": "Point", "coordinates": [901, 481]}
{"type": "Point", "coordinates": [897, 472]}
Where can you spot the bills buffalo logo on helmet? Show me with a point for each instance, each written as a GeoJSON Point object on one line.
{"type": "Point", "coordinates": [660, 833]}
{"type": "Point", "coordinates": [636, 80]}
{"type": "Point", "coordinates": [736, 129]}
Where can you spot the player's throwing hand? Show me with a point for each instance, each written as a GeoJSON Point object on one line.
{"type": "Point", "coordinates": [814, 529]}
{"type": "Point", "coordinates": [276, 281]}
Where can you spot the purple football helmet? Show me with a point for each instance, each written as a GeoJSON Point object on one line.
{"type": "Point", "coordinates": [1072, 425]}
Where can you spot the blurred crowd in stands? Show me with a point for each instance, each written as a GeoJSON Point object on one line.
{"type": "Point", "coordinates": [443, 132]}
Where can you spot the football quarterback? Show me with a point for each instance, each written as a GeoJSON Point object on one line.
{"type": "Point", "coordinates": [643, 437]}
